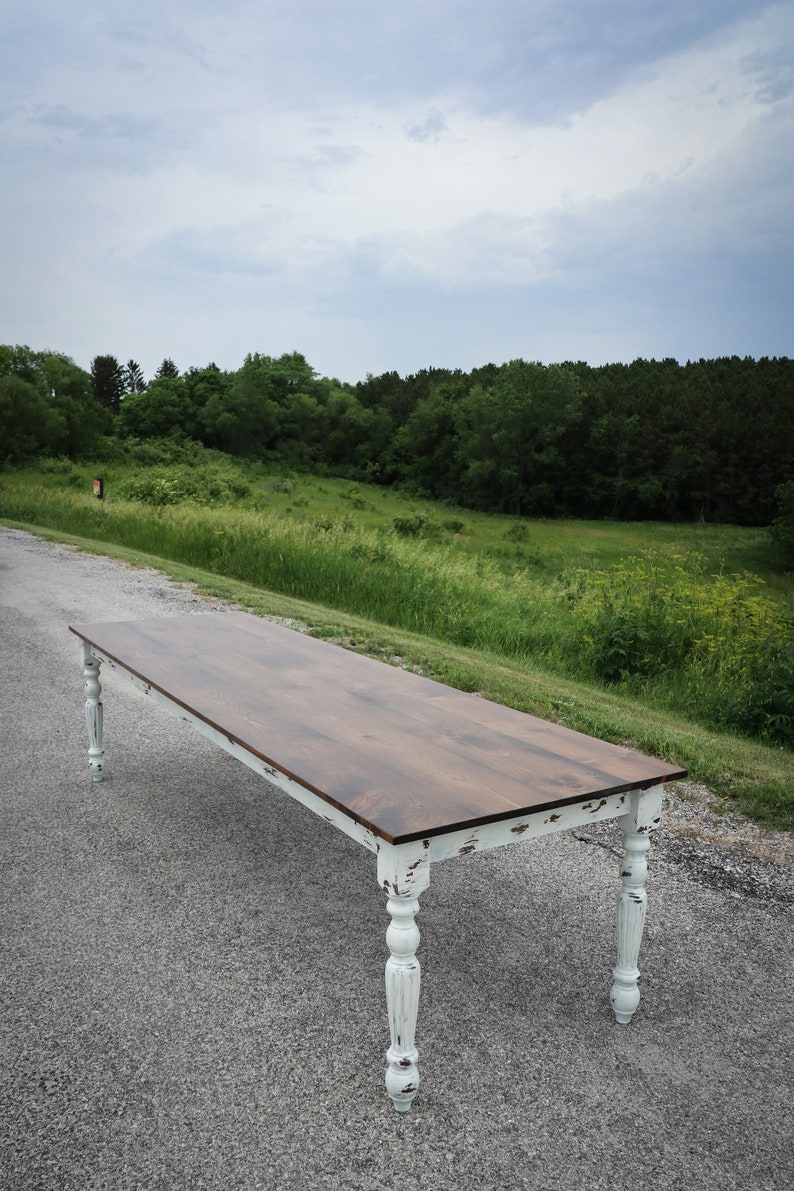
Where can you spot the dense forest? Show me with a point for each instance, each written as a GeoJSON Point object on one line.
{"type": "Point", "coordinates": [711, 439]}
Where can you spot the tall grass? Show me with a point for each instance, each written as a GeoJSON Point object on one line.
{"type": "Point", "coordinates": [715, 645]}
{"type": "Point", "coordinates": [663, 626]}
{"type": "Point", "coordinates": [406, 582]}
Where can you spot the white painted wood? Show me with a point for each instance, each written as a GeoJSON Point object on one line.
{"type": "Point", "coordinates": [403, 869]}
{"type": "Point", "coordinates": [642, 819]}
{"type": "Point", "coordinates": [403, 873]}
{"type": "Point", "coordinates": [93, 713]}
{"type": "Point", "coordinates": [402, 1000]}
{"type": "Point", "coordinates": [525, 827]}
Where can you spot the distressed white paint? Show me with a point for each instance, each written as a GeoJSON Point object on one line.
{"type": "Point", "coordinates": [402, 1000]}
{"type": "Point", "coordinates": [636, 826]}
{"type": "Point", "coordinates": [93, 713]}
{"type": "Point", "coordinates": [525, 827]}
{"type": "Point", "coordinates": [404, 869]}
{"type": "Point", "coordinates": [403, 873]}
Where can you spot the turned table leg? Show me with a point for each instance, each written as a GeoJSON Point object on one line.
{"type": "Point", "coordinates": [93, 714]}
{"type": "Point", "coordinates": [636, 827]}
{"type": "Point", "coordinates": [402, 1000]}
{"type": "Point", "coordinates": [403, 873]}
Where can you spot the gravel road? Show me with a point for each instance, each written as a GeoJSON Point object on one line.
{"type": "Point", "coordinates": [191, 967]}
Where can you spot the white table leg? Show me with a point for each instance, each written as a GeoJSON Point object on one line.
{"type": "Point", "coordinates": [402, 1000]}
{"type": "Point", "coordinates": [403, 873]}
{"type": "Point", "coordinates": [93, 714]}
{"type": "Point", "coordinates": [637, 825]}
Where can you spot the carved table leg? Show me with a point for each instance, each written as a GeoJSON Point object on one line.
{"type": "Point", "coordinates": [636, 827]}
{"type": "Point", "coordinates": [93, 714]}
{"type": "Point", "coordinates": [403, 873]}
{"type": "Point", "coordinates": [402, 999]}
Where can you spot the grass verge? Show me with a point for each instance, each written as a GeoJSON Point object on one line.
{"type": "Point", "coordinates": [756, 778]}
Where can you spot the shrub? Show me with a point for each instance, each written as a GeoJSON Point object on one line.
{"type": "Point", "coordinates": [160, 486]}
{"type": "Point", "coordinates": [154, 487]}
{"type": "Point", "coordinates": [715, 643]}
{"type": "Point", "coordinates": [634, 621]}
{"type": "Point", "coordinates": [161, 452]}
{"type": "Point", "coordinates": [416, 526]}
{"type": "Point", "coordinates": [518, 532]}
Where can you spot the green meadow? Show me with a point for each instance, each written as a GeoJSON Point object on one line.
{"type": "Point", "coordinates": [674, 638]}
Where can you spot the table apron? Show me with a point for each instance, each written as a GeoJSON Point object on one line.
{"type": "Point", "coordinates": [533, 825]}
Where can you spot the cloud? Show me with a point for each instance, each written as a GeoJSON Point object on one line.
{"type": "Point", "coordinates": [313, 166]}
{"type": "Point", "coordinates": [316, 166]}
{"type": "Point", "coordinates": [773, 71]}
{"type": "Point", "coordinates": [429, 129]}
{"type": "Point", "coordinates": [496, 202]}
{"type": "Point", "coordinates": [210, 253]}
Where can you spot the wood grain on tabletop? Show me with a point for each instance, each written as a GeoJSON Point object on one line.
{"type": "Point", "coordinates": [402, 754]}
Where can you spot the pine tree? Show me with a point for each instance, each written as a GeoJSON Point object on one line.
{"type": "Point", "coordinates": [167, 368]}
{"type": "Point", "coordinates": [133, 378]}
{"type": "Point", "coordinates": [107, 382]}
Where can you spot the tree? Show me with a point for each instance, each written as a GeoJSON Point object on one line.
{"type": "Point", "coordinates": [25, 419]}
{"type": "Point", "coordinates": [164, 410]}
{"type": "Point", "coordinates": [167, 369]}
{"type": "Point", "coordinates": [107, 382]}
{"type": "Point", "coordinates": [133, 378]}
{"type": "Point", "coordinates": [83, 423]}
{"type": "Point", "coordinates": [351, 437]}
{"type": "Point", "coordinates": [426, 448]}
{"type": "Point", "coordinates": [509, 435]}
{"type": "Point", "coordinates": [46, 406]}
{"type": "Point", "coordinates": [272, 408]}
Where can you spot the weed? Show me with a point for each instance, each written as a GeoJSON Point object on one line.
{"type": "Point", "coordinates": [518, 532]}
{"type": "Point", "coordinates": [716, 643]}
{"type": "Point", "coordinates": [666, 625]}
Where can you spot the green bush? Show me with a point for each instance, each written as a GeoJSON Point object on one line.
{"type": "Point", "coordinates": [518, 532]}
{"type": "Point", "coordinates": [768, 710]}
{"type": "Point", "coordinates": [715, 644]}
{"type": "Point", "coordinates": [416, 526]}
{"type": "Point", "coordinates": [160, 486]}
{"type": "Point", "coordinates": [164, 452]}
{"type": "Point", "coordinates": [155, 487]}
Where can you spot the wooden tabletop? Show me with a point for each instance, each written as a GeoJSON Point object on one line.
{"type": "Point", "coordinates": [401, 754]}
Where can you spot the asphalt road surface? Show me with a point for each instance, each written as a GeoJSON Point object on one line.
{"type": "Point", "coordinates": [191, 969]}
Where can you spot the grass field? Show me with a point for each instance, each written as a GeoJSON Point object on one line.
{"type": "Point", "coordinates": [674, 638]}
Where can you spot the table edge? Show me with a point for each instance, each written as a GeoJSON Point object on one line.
{"type": "Point", "coordinates": [673, 775]}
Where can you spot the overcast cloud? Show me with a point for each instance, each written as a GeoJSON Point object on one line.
{"type": "Point", "coordinates": [397, 185]}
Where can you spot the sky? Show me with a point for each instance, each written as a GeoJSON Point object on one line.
{"type": "Point", "coordinates": [397, 185]}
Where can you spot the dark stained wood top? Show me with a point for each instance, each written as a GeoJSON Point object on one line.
{"type": "Point", "coordinates": [407, 757]}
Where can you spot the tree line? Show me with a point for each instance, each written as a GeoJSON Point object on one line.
{"type": "Point", "coordinates": [710, 439]}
